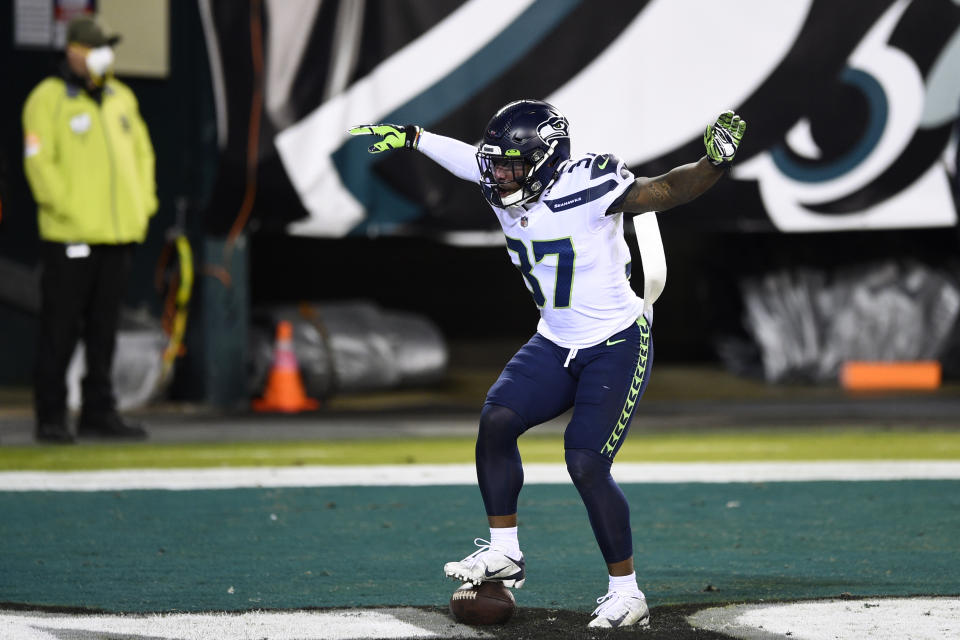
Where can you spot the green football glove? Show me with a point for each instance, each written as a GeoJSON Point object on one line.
{"type": "Point", "coordinates": [722, 139]}
{"type": "Point", "coordinates": [394, 136]}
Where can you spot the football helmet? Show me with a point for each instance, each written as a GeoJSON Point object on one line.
{"type": "Point", "coordinates": [523, 147]}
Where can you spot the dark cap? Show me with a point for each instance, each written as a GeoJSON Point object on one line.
{"type": "Point", "coordinates": [89, 31]}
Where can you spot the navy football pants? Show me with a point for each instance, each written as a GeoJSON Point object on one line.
{"type": "Point", "coordinates": [603, 384]}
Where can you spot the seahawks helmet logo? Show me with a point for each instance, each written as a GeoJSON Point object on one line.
{"type": "Point", "coordinates": [553, 128]}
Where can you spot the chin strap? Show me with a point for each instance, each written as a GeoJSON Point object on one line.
{"type": "Point", "coordinates": [647, 233]}
{"type": "Point", "coordinates": [516, 197]}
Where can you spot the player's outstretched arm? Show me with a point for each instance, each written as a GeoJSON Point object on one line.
{"type": "Point", "coordinates": [679, 186]}
{"type": "Point", "coordinates": [685, 183]}
{"type": "Point", "coordinates": [459, 158]}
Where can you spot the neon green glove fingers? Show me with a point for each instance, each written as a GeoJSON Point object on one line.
{"type": "Point", "coordinates": [394, 136]}
{"type": "Point", "coordinates": [722, 139]}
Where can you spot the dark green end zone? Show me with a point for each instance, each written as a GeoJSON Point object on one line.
{"type": "Point", "coordinates": [332, 547]}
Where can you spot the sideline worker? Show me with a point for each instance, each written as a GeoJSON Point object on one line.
{"type": "Point", "coordinates": [90, 165]}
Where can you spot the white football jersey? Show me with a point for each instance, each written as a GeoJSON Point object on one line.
{"type": "Point", "coordinates": [573, 256]}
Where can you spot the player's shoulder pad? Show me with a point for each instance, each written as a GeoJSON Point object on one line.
{"type": "Point", "coordinates": [578, 165]}
{"type": "Point", "coordinates": [603, 164]}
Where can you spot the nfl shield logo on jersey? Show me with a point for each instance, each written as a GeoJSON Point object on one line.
{"type": "Point", "coordinates": [523, 221]}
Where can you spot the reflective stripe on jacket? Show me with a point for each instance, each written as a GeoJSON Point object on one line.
{"type": "Point", "coordinates": [90, 165]}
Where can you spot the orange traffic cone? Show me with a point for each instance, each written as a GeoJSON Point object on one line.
{"type": "Point", "coordinates": [284, 387]}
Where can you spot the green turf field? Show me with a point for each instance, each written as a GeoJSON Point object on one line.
{"type": "Point", "coordinates": [351, 546]}
{"type": "Point", "coordinates": [780, 444]}
{"type": "Point", "coordinates": [282, 548]}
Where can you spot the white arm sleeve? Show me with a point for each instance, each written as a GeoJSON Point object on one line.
{"type": "Point", "coordinates": [459, 158]}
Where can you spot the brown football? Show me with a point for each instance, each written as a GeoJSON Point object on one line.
{"type": "Point", "coordinates": [490, 603]}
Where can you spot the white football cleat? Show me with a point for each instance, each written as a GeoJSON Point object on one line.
{"type": "Point", "coordinates": [620, 610]}
{"type": "Point", "coordinates": [488, 564]}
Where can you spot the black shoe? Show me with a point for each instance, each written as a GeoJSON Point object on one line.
{"type": "Point", "coordinates": [53, 433]}
{"type": "Point", "coordinates": [109, 425]}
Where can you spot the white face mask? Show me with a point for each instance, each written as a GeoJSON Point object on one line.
{"type": "Point", "coordinates": [99, 61]}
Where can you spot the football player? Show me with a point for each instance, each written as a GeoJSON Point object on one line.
{"type": "Point", "coordinates": [563, 221]}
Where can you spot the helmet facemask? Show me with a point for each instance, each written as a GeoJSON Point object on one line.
{"type": "Point", "coordinates": [499, 171]}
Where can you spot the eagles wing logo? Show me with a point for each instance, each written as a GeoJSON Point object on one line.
{"type": "Point", "coordinates": [553, 128]}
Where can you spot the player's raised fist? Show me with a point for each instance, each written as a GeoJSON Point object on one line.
{"type": "Point", "coordinates": [722, 138]}
{"type": "Point", "coordinates": [392, 136]}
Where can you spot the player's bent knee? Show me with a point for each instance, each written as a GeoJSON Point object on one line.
{"type": "Point", "coordinates": [587, 468]}
{"type": "Point", "coordinates": [497, 422]}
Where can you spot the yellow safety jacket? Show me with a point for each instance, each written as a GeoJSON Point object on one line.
{"type": "Point", "coordinates": [90, 165]}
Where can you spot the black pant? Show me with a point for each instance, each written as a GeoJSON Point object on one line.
{"type": "Point", "coordinates": [80, 299]}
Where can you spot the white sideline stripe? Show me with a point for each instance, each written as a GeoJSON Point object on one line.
{"type": "Point", "coordinates": [879, 619]}
{"type": "Point", "coordinates": [465, 474]}
{"type": "Point", "coordinates": [403, 622]}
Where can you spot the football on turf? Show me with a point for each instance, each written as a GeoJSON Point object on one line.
{"type": "Point", "coordinates": [490, 603]}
